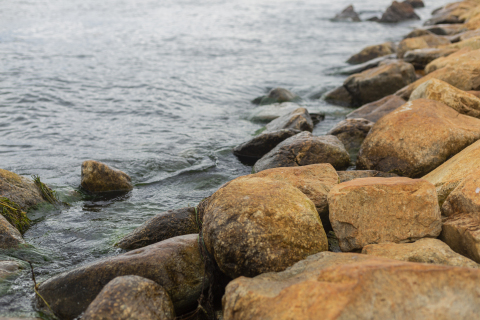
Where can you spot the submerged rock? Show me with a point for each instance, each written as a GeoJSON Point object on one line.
{"type": "Point", "coordinates": [255, 225]}
{"type": "Point", "coordinates": [176, 264]}
{"type": "Point", "coordinates": [10, 237]}
{"type": "Point", "coordinates": [375, 110]}
{"type": "Point", "coordinates": [272, 112]}
{"type": "Point", "coordinates": [423, 42]}
{"type": "Point", "coordinates": [339, 96]}
{"type": "Point", "coordinates": [131, 297]}
{"type": "Point", "coordinates": [298, 119]}
{"type": "Point", "coordinates": [392, 210]}
{"type": "Point", "coordinates": [9, 268]}
{"type": "Point", "coordinates": [348, 14]}
{"type": "Point", "coordinates": [462, 233]}
{"type": "Point", "coordinates": [399, 11]}
{"type": "Point", "coordinates": [20, 190]}
{"type": "Point", "coordinates": [420, 58]}
{"type": "Point", "coordinates": [277, 95]}
{"type": "Point", "coordinates": [304, 149]}
{"type": "Point", "coordinates": [418, 33]}
{"type": "Point", "coordinates": [98, 177]}
{"type": "Point", "coordinates": [372, 52]}
{"type": "Point", "coordinates": [344, 176]}
{"type": "Point", "coordinates": [352, 132]}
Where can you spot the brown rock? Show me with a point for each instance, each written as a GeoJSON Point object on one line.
{"type": "Point", "coordinates": [334, 286]}
{"type": "Point", "coordinates": [304, 149]}
{"type": "Point", "coordinates": [469, 35]}
{"type": "Point", "coordinates": [375, 110]}
{"type": "Point", "coordinates": [417, 138]}
{"type": "Point", "coordinates": [471, 43]}
{"type": "Point", "coordinates": [399, 11]}
{"type": "Point", "coordinates": [420, 58]}
{"type": "Point", "coordinates": [418, 33]}
{"type": "Point", "coordinates": [376, 83]}
{"type": "Point", "coordinates": [447, 29]}
{"type": "Point", "coordinates": [423, 42]}
{"type": "Point", "coordinates": [277, 95]}
{"type": "Point", "coordinates": [376, 210]}
{"type": "Point", "coordinates": [344, 176]}
{"type": "Point", "coordinates": [339, 96]}
{"type": "Point", "coordinates": [475, 93]}
{"type": "Point", "coordinates": [451, 13]}
{"type": "Point", "coordinates": [131, 297]}
{"type": "Point", "coordinates": [298, 119]}
{"type": "Point", "coordinates": [10, 237]}
{"type": "Point", "coordinates": [20, 190]}
{"type": "Point", "coordinates": [462, 234]}
{"type": "Point", "coordinates": [453, 59]}
{"type": "Point", "coordinates": [255, 225]}
{"type": "Point", "coordinates": [163, 226]}
{"type": "Point", "coordinates": [465, 198]}
{"type": "Point", "coordinates": [415, 3]}
{"type": "Point", "coordinates": [176, 264]}
{"type": "Point", "coordinates": [98, 177]}
{"type": "Point", "coordinates": [372, 52]}
{"type": "Point", "coordinates": [9, 268]}
{"type": "Point", "coordinates": [423, 251]}
{"type": "Point", "coordinates": [352, 132]}
{"type": "Point", "coordinates": [348, 14]}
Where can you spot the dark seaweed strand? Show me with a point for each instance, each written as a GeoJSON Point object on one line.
{"type": "Point", "coordinates": [48, 194]}
{"type": "Point", "coordinates": [14, 214]}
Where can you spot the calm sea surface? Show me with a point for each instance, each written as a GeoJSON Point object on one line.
{"type": "Point", "coordinates": [158, 89]}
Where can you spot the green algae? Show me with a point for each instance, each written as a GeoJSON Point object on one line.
{"type": "Point", "coordinates": [14, 214]}
{"type": "Point", "coordinates": [48, 194]}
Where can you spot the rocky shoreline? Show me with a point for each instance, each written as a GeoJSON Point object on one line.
{"type": "Point", "coordinates": [301, 237]}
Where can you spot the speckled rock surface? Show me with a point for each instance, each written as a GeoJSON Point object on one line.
{"type": "Point", "coordinates": [98, 177]}
{"type": "Point", "coordinates": [375, 110]}
{"type": "Point", "coordinates": [462, 233]}
{"type": "Point", "coordinates": [19, 189]}
{"type": "Point", "coordinates": [10, 237]}
{"type": "Point", "coordinates": [465, 198]}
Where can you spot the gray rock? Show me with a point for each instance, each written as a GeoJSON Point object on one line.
{"type": "Point", "coordinates": [10, 237]}
{"type": "Point", "coordinates": [419, 58]}
{"type": "Point", "coordinates": [399, 11]}
{"type": "Point", "coordinates": [348, 14]}
{"type": "Point", "coordinates": [367, 65]}
{"type": "Point", "coordinates": [272, 112]}
{"type": "Point", "coordinates": [352, 132]}
{"type": "Point", "coordinates": [298, 119]}
{"type": "Point", "coordinates": [415, 3]}
{"type": "Point", "coordinates": [339, 96]}
{"type": "Point", "coordinates": [277, 95]}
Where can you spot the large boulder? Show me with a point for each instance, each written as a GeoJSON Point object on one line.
{"type": "Point", "coordinates": [98, 177]}
{"type": "Point", "coordinates": [422, 42]}
{"type": "Point", "coordinates": [451, 60]}
{"type": "Point", "coordinates": [459, 100]}
{"type": "Point", "coordinates": [344, 176]}
{"type": "Point", "coordinates": [131, 297]}
{"type": "Point", "coordinates": [372, 52]}
{"type": "Point", "coordinates": [19, 189]}
{"type": "Point", "coordinates": [399, 11]}
{"type": "Point", "coordinates": [10, 237]}
{"type": "Point", "coordinates": [465, 198]}
{"type": "Point", "coordinates": [423, 251]}
{"type": "Point", "coordinates": [374, 84]}
{"type": "Point", "coordinates": [304, 149]}
{"type": "Point", "coordinates": [262, 144]}
{"type": "Point", "coordinates": [417, 138]}
{"type": "Point", "coordinates": [339, 96]}
{"type": "Point", "coordinates": [254, 225]}
{"type": "Point", "coordinates": [373, 111]}
{"type": "Point", "coordinates": [451, 13]}
{"type": "Point", "coordinates": [163, 226]}
{"type": "Point", "coordinates": [352, 132]}
{"type": "Point", "coordinates": [462, 233]}
{"type": "Point", "coordinates": [334, 286]}
{"type": "Point", "coordinates": [298, 119]}
{"type": "Point", "coordinates": [176, 264]}
{"type": "Point", "coordinates": [277, 95]}
{"type": "Point", "coordinates": [420, 58]}
{"type": "Point", "coordinates": [376, 210]}
{"type": "Point", "coordinates": [348, 14]}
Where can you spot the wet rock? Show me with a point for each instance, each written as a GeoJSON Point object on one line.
{"type": "Point", "coordinates": [256, 225]}
{"type": "Point", "coordinates": [447, 29]}
{"type": "Point", "coordinates": [377, 83]}
{"type": "Point", "coordinates": [423, 251]}
{"type": "Point", "coordinates": [417, 138]}
{"type": "Point", "coordinates": [8, 269]}
{"type": "Point", "coordinates": [372, 52]}
{"type": "Point", "coordinates": [272, 112]}
{"type": "Point", "coordinates": [315, 181]}
{"type": "Point", "coordinates": [462, 234]}
{"type": "Point", "coordinates": [163, 226]}
{"type": "Point", "coordinates": [20, 190]}
{"type": "Point", "coordinates": [344, 176]}
{"type": "Point", "coordinates": [441, 91]}
{"type": "Point", "coordinates": [339, 96]}
{"type": "Point", "coordinates": [451, 59]}
{"type": "Point", "coordinates": [10, 237]}
{"type": "Point", "coordinates": [465, 198]}
{"type": "Point", "coordinates": [260, 145]}
{"type": "Point", "coordinates": [98, 177]}
{"type": "Point", "coordinates": [420, 58]}
{"type": "Point", "coordinates": [375, 110]}
{"type": "Point", "coordinates": [331, 286]}
{"type": "Point", "coordinates": [423, 42]}
{"type": "Point", "coordinates": [277, 95]}
{"type": "Point", "coordinates": [392, 210]}
{"type": "Point", "coordinates": [298, 119]}
{"type": "Point", "coordinates": [415, 3]}
{"type": "Point", "coordinates": [352, 132]}
{"type": "Point", "coordinates": [131, 297]}
{"type": "Point", "coordinates": [176, 264]}
{"type": "Point", "coordinates": [348, 14]}
{"type": "Point", "coordinates": [418, 33]}
{"type": "Point", "coordinates": [304, 149]}
{"type": "Point", "coordinates": [357, 68]}
{"type": "Point", "coordinates": [399, 11]}
{"type": "Point", "coordinates": [451, 13]}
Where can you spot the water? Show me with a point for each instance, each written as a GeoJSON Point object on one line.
{"type": "Point", "coordinates": [158, 89]}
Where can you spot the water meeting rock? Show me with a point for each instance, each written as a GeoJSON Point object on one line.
{"type": "Point", "coordinates": [348, 14]}
{"type": "Point", "coordinates": [277, 95]}
{"type": "Point", "coordinates": [352, 132]}
{"type": "Point", "coordinates": [333, 286]}
{"type": "Point", "coordinates": [98, 177]}
{"type": "Point", "coordinates": [298, 119]}
{"type": "Point", "coordinates": [417, 138]}
{"type": "Point", "coordinates": [372, 52]}
{"type": "Point", "coordinates": [255, 225]}
{"type": "Point", "coordinates": [19, 189]}
{"type": "Point", "coordinates": [373, 111]}
{"type": "Point", "coordinates": [10, 237]}
{"type": "Point", "coordinates": [176, 264]}
{"type": "Point", "coordinates": [339, 96]}
{"type": "Point", "coordinates": [392, 210]}
{"type": "Point", "coordinates": [304, 149]}
{"type": "Point", "coordinates": [399, 11]}
{"type": "Point", "coordinates": [131, 297]}
{"type": "Point", "coordinates": [462, 233]}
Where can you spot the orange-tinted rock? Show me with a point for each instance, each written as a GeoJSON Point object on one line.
{"type": "Point", "coordinates": [255, 225]}
{"type": "Point", "coordinates": [344, 176]}
{"type": "Point", "coordinates": [422, 42]}
{"type": "Point", "coordinates": [98, 177]}
{"type": "Point", "coordinates": [376, 210]}
{"type": "Point", "coordinates": [462, 234]}
{"type": "Point", "coordinates": [453, 59]}
{"type": "Point", "coordinates": [451, 13]}
{"type": "Point", "coordinates": [420, 58]}
{"type": "Point", "coordinates": [471, 43]}
{"type": "Point", "coordinates": [465, 198]}
{"type": "Point", "coordinates": [10, 237]}
{"type": "Point", "coordinates": [335, 286]}
{"type": "Point", "coordinates": [372, 52]}
{"type": "Point", "coordinates": [20, 190]}
{"type": "Point", "coordinates": [375, 110]}
{"type": "Point", "coordinates": [352, 132]}
{"type": "Point", "coordinates": [417, 138]}
{"type": "Point", "coordinates": [447, 29]}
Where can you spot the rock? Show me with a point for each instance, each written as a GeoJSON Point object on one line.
{"type": "Point", "coordinates": [298, 119]}
{"type": "Point", "coordinates": [352, 132]}
{"type": "Point", "coordinates": [462, 233]}
{"type": "Point", "coordinates": [415, 3]}
{"type": "Point", "coordinates": [260, 145]}
{"type": "Point", "coordinates": [375, 210]}
{"type": "Point", "coordinates": [315, 181]}
{"type": "Point", "coordinates": [131, 297]}
{"type": "Point", "coordinates": [372, 52]}
{"type": "Point", "coordinates": [441, 91]}
{"type": "Point", "coordinates": [334, 286]}
{"type": "Point", "coordinates": [98, 177]}
{"type": "Point", "coordinates": [465, 198]}
{"type": "Point", "coordinates": [475, 93]}
{"type": "Point", "coordinates": [375, 110]}
{"type": "Point", "coordinates": [10, 237]}
{"type": "Point", "coordinates": [163, 226]}
{"type": "Point", "coordinates": [423, 251]}
{"type": "Point", "coordinates": [418, 33]}
{"type": "Point", "coordinates": [451, 59]}
{"type": "Point", "coordinates": [451, 13]}
{"type": "Point", "coordinates": [420, 58]}
{"type": "Point", "coordinates": [256, 225]}
{"type": "Point", "coordinates": [272, 112]}
{"type": "Point", "coordinates": [344, 176]}
{"type": "Point", "coordinates": [468, 35]}
{"type": "Point", "coordinates": [357, 68]}
{"type": "Point", "coordinates": [471, 43]}
{"type": "Point", "coordinates": [399, 11]}
{"type": "Point", "coordinates": [176, 264]}
{"type": "Point", "coordinates": [304, 149]}
{"type": "Point", "coordinates": [9, 268]}
{"type": "Point", "coordinates": [348, 14]}
{"type": "Point", "coordinates": [417, 138]}
{"type": "Point", "coordinates": [277, 95]}
{"type": "Point", "coordinates": [377, 83]}
{"type": "Point", "coordinates": [447, 29]}
{"type": "Point", "coordinates": [20, 190]}
{"type": "Point", "coordinates": [423, 42]}
{"type": "Point", "coordinates": [339, 96]}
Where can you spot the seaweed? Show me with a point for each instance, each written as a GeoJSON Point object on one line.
{"type": "Point", "coordinates": [48, 194]}
{"type": "Point", "coordinates": [14, 214]}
